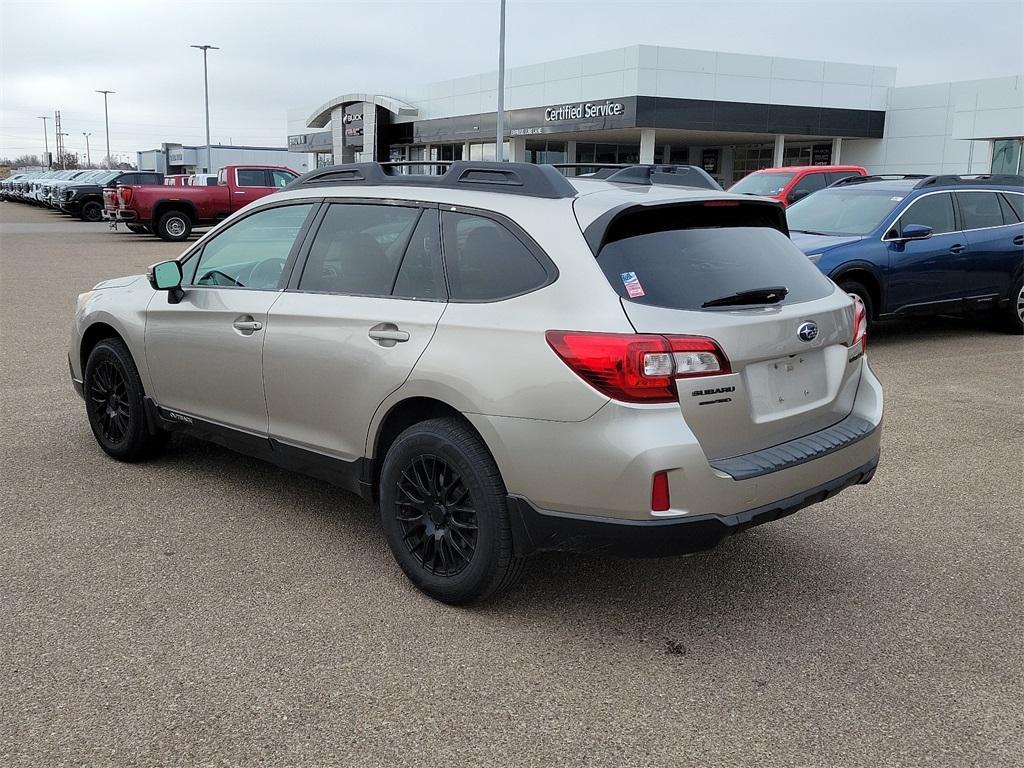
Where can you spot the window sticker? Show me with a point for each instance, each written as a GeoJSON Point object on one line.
{"type": "Point", "coordinates": [895, 199]}
{"type": "Point", "coordinates": [633, 287]}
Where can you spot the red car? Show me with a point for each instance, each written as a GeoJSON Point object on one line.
{"type": "Point", "coordinates": [791, 183]}
{"type": "Point", "coordinates": [171, 212]}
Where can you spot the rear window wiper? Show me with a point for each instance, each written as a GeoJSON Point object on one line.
{"type": "Point", "coordinates": [771, 295]}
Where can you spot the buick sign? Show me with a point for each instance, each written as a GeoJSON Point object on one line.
{"type": "Point", "coordinates": [807, 332]}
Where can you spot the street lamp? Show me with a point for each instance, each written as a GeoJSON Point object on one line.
{"type": "Point", "coordinates": [106, 121]}
{"type": "Point", "coordinates": [88, 157]}
{"type": "Point", "coordinates": [499, 149]}
{"type": "Point", "coordinates": [46, 140]}
{"type": "Point", "coordinates": [206, 91]}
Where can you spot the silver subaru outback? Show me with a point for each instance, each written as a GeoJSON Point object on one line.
{"type": "Point", "coordinates": [506, 360]}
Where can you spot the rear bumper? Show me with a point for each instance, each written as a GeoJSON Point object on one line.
{"type": "Point", "coordinates": [119, 215]}
{"type": "Point", "coordinates": [539, 530]}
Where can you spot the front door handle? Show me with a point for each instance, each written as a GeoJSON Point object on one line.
{"type": "Point", "coordinates": [387, 334]}
{"type": "Point", "coordinates": [246, 325]}
{"type": "Point", "coordinates": [956, 248]}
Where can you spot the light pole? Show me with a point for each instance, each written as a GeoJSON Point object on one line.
{"type": "Point", "coordinates": [46, 140]}
{"type": "Point", "coordinates": [206, 91]}
{"type": "Point", "coordinates": [63, 155]}
{"type": "Point", "coordinates": [106, 121]}
{"type": "Point", "coordinates": [499, 149]}
{"type": "Point", "coordinates": [88, 157]}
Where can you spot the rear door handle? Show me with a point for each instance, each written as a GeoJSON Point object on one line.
{"type": "Point", "coordinates": [956, 248]}
{"type": "Point", "coordinates": [387, 334]}
{"type": "Point", "coordinates": [1018, 240]}
{"type": "Point", "coordinates": [246, 325]}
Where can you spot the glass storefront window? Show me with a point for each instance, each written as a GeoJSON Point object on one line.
{"type": "Point", "coordinates": [545, 152]}
{"type": "Point", "coordinates": [1007, 155]}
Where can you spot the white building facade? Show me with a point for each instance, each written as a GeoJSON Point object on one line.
{"type": "Point", "coordinates": [171, 158]}
{"type": "Point", "coordinates": [729, 113]}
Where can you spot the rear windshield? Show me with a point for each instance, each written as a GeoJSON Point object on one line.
{"type": "Point", "coordinates": [762, 183]}
{"type": "Point", "coordinates": [685, 268]}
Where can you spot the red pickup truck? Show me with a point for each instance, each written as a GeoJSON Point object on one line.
{"type": "Point", "coordinates": [171, 212]}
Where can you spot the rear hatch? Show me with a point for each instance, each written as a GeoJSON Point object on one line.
{"type": "Point", "coordinates": [726, 270]}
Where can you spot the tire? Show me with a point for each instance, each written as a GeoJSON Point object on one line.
{"type": "Point", "coordinates": [175, 226]}
{"type": "Point", "coordinates": [1011, 317]}
{"type": "Point", "coordinates": [138, 229]}
{"type": "Point", "coordinates": [444, 465]}
{"type": "Point", "coordinates": [91, 211]}
{"type": "Point", "coordinates": [861, 291]}
{"type": "Point", "coordinates": [113, 401]}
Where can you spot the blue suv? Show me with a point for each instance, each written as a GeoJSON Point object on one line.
{"type": "Point", "coordinates": [920, 244]}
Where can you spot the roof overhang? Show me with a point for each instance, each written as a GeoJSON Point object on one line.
{"type": "Point", "coordinates": [322, 115]}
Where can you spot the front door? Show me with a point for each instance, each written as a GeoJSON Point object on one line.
{"type": "Point", "coordinates": [352, 325]}
{"type": "Point", "coordinates": [205, 353]}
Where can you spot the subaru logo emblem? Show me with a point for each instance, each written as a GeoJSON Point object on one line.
{"type": "Point", "coordinates": [807, 332]}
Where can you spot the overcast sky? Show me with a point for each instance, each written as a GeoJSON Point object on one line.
{"type": "Point", "coordinates": [277, 55]}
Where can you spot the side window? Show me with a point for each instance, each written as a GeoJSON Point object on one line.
{"type": "Point", "coordinates": [935, 211]}
{"type": "Point", "coordinates": [421, 275]}
{"type": "Point", "coordinates": [149, 178]}
{"type": "Point", "coordinates": [485, 261]}
{"type": "Point", "coordinates": [357, 249]}
{"type": "Point", "coordinates": [252, 252]}
{"type": "Point", "coordinates": [1016, 205]}
{"type": "Point", "coordinates": [837, 175]}
{"type": "Point", "coordinates": [281, 178]}
{"type": "Point", "coordinates": [979, 210]}
{"type": "Point", "coordinates": [812, 182]}
{"type": "Point", "coordinates": [222, 176]}
{"type": "Point", "coordinates": [251, 177]}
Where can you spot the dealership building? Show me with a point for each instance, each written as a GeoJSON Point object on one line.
{"type": "Point", "coordinates": [728, 113]}
{"type": "Point", "coordinates": [172, 158]}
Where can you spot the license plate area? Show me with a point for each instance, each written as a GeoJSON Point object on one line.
{"type": "Point", "coordinates": [786, 384]}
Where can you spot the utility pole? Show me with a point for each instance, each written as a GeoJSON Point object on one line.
{"type": "Point", "coordinates": [499, 149]}
{"type": "Point", "coordinates": [88, 157]}
{"type": "Point", "coordinates": [106, 122]}
{"type": "Point", "coordinates": [206, 91]}
{"type": "Point", "coordinates": [59, 136]}
{"type": "Point", "coordinates": [46, 139]}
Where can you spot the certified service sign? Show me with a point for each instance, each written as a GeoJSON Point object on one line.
{"type": "Point", "coordinates": [584, 110]}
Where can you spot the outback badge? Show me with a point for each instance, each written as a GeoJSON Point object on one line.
{"type": "Point", "coordinates": [807, 332]}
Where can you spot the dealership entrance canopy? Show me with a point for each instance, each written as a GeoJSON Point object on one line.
{"type": "Point", "coordinates": [729, 113]}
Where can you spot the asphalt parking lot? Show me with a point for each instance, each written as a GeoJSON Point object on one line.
{"type": "Point", "coordinates": [208, 609]}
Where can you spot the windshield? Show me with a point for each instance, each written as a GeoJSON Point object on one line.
{"type": "Point", "coordinates": [762, 183]}
{"type": "Point", "coordinates": [842, 211]}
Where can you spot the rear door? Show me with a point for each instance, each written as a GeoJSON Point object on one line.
{"type": "Point", "coordinates": [994, 239]}
{"type": "Point", "coordinates": [358, 313]}
{"type": "Point", "coordinates": [666, 266]}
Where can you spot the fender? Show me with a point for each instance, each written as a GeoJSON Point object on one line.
{"type": "Point", "coordinates": [877, 272]}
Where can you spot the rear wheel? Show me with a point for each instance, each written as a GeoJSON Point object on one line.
{"type": "Point", "coordinates": [444, 513]}
{"type": "Point", "coordinates": [91, 211]}
{"type": "Point", "coordinates": [175, 226]}
{"type": "Point", "coordinates": [113, 400]}
{"type": "Point", "coordinates": [859, 290]}
{"type": "Point", "coordinates": [1012, 316]}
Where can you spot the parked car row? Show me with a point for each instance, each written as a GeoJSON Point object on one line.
{"type": "Point", "coordinates": [146, 201]}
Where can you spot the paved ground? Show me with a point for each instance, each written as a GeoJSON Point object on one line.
{"type": "Point", "coordinates": [207, 609]}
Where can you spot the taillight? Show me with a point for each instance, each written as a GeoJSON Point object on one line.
{"type": "Point", "coordinates": [125, 194]}
{"type": "Point", "coordinates": [659, 492]}
{"type": "Point", "coordinates": [860, 323]}
{"type": "Point", "coordinates": [637, 368]}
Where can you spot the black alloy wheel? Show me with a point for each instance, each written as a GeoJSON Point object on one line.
{"type": "Point", "coordinates": [108, 401]}
{"type": "Point", "coordinates": [437, 516]}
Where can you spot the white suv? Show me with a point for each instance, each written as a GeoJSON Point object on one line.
{"type": "Point", "coordinates": [506, 360]}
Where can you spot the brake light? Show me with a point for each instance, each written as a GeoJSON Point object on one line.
{"type": "Point", "coordinates": [860, 323]}
{"type": "Point", "coordinates": [637, 368]}
{"type": "Point", "coordinates": [720, 203]}
{"type": "Point", "coordinates": [125, 193]}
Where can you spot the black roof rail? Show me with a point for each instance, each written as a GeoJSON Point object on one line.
{"type": "Point", "coordinates": [952, 180]}
{"type": "Point", "coordinates": [674, 175]}
{"type": "Point", "coordinates": [507, 178]}
{"type": "Point", "coordinates": [878, 177]}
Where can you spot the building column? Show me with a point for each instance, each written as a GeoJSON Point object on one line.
{"type": "Point", "coordinates": [646, 146]}
{"type": "Point", "coordinates": [517, 149]}
{"type": "Point", "coordinates": [338, 134]}
{"type": "Point", "coordinates": [780, 154]}
{"type": "Point", "coordinates": [465, 150]}
{"type": "Point", "coordinates": [369, 153]}
{"type": "Point", "coordinates": [837, 149]}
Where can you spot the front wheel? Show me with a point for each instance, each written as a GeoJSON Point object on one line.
{"type": "Point", "coordinates": [174, 226]}
{"type": "Point", "coordinates": [859, 290]}
{"type": "Point", "coordinates": [113, 401]}
{"type": "Point", "coordinates": [444, 513]}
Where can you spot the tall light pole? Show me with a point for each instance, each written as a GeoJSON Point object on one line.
{"type": "Point", "coordinates": [63, 155]}
{"type": "Point", "coordinates": [88, 157]}
{"type": "Point", "coordinates": [499, 150]}
{"type": "Point", "coordinates": [106, 121]}
{"type": "Point", "coordinates": [46, 139]}
{"type": "Point", "coordinates": [206, 91]}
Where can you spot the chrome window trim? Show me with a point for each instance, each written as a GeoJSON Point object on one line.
{"type": "Point", "coordinates": [952, 231]}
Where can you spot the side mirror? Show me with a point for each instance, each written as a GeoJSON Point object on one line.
{"type": "Point", "coordinates": [916, 232]}
{"type": "Point", "coordinates": [166, 276]}
{"type": "Point", "coordinates": [797, 194]}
